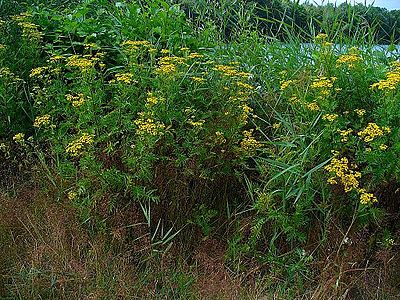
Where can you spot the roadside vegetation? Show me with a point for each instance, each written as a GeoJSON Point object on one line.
{"type": "Point", "coordinates": [176, 150]}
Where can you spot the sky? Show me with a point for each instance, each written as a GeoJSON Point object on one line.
{"type": "Point", "coordinates": [389, 4]}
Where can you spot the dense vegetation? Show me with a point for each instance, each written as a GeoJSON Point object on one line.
{"type": "Point", "coordinates": [282, 19]}
{"type": "Point", "coordinates": [180, 150]}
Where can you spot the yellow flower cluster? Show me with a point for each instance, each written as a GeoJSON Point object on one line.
{"type": "Point", "coordinates": [249, 144]}
{"type": "Point", "coordinates": [7, 74]}
{"type": "Point", "coordinates": [168, 64]}
{"type": "Point", "coordinates": [343, 173]}
{"type": "Point", "coordinates": [75, 148]}
{"type": "Point", "coordinates": [38, 72]}
{"type": "Point", "coordinates": [321, 37]}
{"type": "Point", "coordinates": [348, 59]}
{"type": "Point", "coordinates": [341, 169]}
{"type": "Point", "coordinates": [2, 47]}
{"type": "Point", "coordinates": [276, 125]}
{"type": "Point", "coordinates": [197, 124]}
{"type": "Point", "coordinates": [19, 138]}
{"type": "Point", "coordinates": [90, 46]}
{"type": "Point", "coordinates": [383, 147]}
{"type": "Point", "coordinates": [345, 134]}
{"type": "Point", "coordinates": [313, 106]}
{"type": "Point", "coordinates": [323, 83]}
{"type": "Point", "coordinates": [76, 101]}
{"type": "Point", "coordinates": [133, 46]}
{"type": "Point", "coordinates": [152, 100]}
{"type": "Point", "coordinates": [21, 17]}
{"type": "Point", "coordinates": [286, 83]}
{"type": "Point", "coordinates": [126, 78]}
{"type": "Point", "coordinates": [230, 71]}
{"type": "Point", "coordinates": [194, 55]}
{"type": "Point", "coordinates": [330, 117]}
{"type": "Point", "coordinates": [366, 198]}
{"type": "Point", "coordinates": [146, 125]}
{"type": "Point", "coordinates": [372, 131]}
{"type": "Point", "coordinates": [80, 62]}
{"type": "Point", "coordinates": [30, 31]}
{"type": "Point", "coordinates": [41, 121]}
{"type": "Point", "coordinates": [246, 112]}
{"type": "Point", "coordinates": [56, 58]}
{"type": "Point", "coordinates": [85, 62]}
{"type": "Point", "coordinates": [327, 44]}
{"type": "Point", "coordinates": [72, 195]}
{"type": "Point", "coordinates": [360, 112]}
{"type": "Point", "coordinates": [392, 79]}
{"type": "Point", "coordinates": [244, 85]}
{"type": "Point", "coordinates": [198, 79]}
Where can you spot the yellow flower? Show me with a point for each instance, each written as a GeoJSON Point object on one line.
{"type": "Point", "coordinates": [348, 59]}
{"type": "Point", "coordinates": [56, 58]}
{"type": "Point", "coordinates": [371, 132]}
{"type": "Point", "coordinates": [360, 112]}
{"type": "Point", "coordinates": [153, 100]}
{"type": "Point", "coordinates": [313, 106]}
{"type": "Point", "coordinates": [246, 86]}
{"type": "Point", "coordinates": [198, 79]}
{"type": "Point", "coordinates": [321, 37]}
{"type": "Point", "coordinates": [19, 138]}
{"type": "Point", "coordinates": [323, 83]}
{"type": "Point", "coordinates": [41, 121]}
{"type": "Point", "coordinates": [383, 147]}
{"type": "Point", "coordinates": [77, 101]}
{"type": "Point", "coordinates": [294, 99]}
{"type": "Point", "coordinates": [7, 74]}
{"type": "Point", "coordinates": [246, 112]}
{"type": "Point", "coordinates": [146, 125]}
{"type": "Point", "coordinates": [249, 144]}
{"type": "Point", "coordinates": [76, 148]}
{"type": "Point", "coordinates": [345, 134]}
{"type": "Point", "coordinates": [195, 55]}
{"type": "Point", "coordinates": [38, 72]}
{"type": "Point", "coordinates": [168, 64]}
{"type": "Point", "coordinates": [366, 198]}
{"type": "Point", "coordinates": [332, 181]}
{"type": "Point", "coordinates": [90, 46]}
{"type": "Point", "coordinates": [126, 78]}
{"type": "Point", "coordinates": [198, 123]}
{"type": "Point", "coordinates": [133, 46]}
{"type": "Point", "coordinates": [276, 125]}
{"type": "Point", "coordinates": [72, 195]}
{"type": "Point", "coordinates": [84, 63]}
{"type": "Point", "coordinates": [30, 31]}
{"type": "Point", "coordinates": [230, 71]}
{"type": "Point", "coordinates": [392, 79]}
{"type": "Point", "coordinates": [286, 84]}
{"type": "Point", "coordinates": [340, 167]}
{"type": "Point", "coordinates": [330, 117]}
{"type": "Point", "coordinates": [327, 44]}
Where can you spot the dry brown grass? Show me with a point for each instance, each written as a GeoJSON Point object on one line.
{"type": "Point", "coordinates": [46, 253]}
